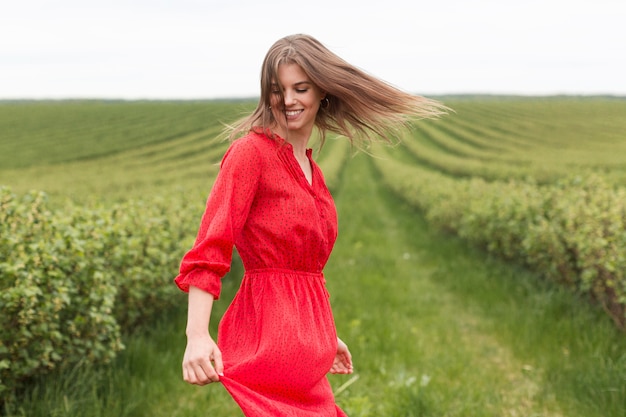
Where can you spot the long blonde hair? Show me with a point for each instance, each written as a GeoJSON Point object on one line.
{"type": "Point", "coordinates": [356, 103]}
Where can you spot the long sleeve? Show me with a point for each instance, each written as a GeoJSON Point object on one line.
{"type": "Point", "coordinates": [226, 212]}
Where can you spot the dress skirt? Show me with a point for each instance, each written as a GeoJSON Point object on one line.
{"type": "Point", "coordinates": [278, 342]}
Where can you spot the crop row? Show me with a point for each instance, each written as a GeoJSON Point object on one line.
{"type": "Point", "coordinates": [36, 133]}
{"type": "Point", "coordinates": [147, 170]}
{"type": "Point", "coordinates": [333, 160]}
{"type": "Point", "coordinates": [426, 148]}
{"type": "Point", "coordinates": [72, 281]}
{"type": "Point", "coordinates": [571, 231]}
{"type": "Point", "coordinates": [545, 140]}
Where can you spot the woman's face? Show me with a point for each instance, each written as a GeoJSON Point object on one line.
{"type": "Point", "coordinates": [295, 113]}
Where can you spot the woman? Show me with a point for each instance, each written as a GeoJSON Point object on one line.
{"type": "Point", "coordinates": [277, 340]}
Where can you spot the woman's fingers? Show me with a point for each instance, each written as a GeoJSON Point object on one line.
{"type": "Point", "coordinates": [343, 359]}
{"type": "Point", "coordinates": [217, 360]}
{"type": "Point", "coordinates": [198, 368]}
{"type": "Point", "coordinates": [341, 365]}
{"type": "Point", "coordinates": [200, 373]}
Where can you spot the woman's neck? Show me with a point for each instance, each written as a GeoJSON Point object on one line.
{"type": "Point", "coordinates": [298, 140]}
{"type": "Point", "coordinates": [299, 146]}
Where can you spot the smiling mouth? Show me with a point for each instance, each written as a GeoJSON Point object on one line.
{"type": "Point", "coordinates": [293, 113]}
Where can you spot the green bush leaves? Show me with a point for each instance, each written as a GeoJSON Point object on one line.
{"type": "Point", "coordinates": [572, 231]}
{"type": "Point", "coordinates": [73, 281]}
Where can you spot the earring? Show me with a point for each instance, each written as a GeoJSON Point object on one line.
{"type": "Point", "coordinates": [325, 103]}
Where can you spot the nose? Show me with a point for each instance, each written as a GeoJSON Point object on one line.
{"type": "Point", "coordinates": [288, 97]}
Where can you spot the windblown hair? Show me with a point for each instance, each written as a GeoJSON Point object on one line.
{"type": "Point", "coordinates": [358, 104]}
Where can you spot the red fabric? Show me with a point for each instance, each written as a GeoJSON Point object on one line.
{"type": "Point", "coordinates": [278, 337]}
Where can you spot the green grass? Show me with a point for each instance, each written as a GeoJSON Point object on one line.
{"type": "Point", "coordinates": [436, 328]}
{"type": "Point", "coordinates": [484, 337]}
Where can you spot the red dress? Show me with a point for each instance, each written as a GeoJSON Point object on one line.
{"type": "Point", "coordinates": [278, 337]}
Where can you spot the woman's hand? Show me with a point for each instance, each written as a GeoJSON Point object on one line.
{"type": "Point", "coordinates": [202, 362]}
{"type": "Point", "coordinates": [343, 359]}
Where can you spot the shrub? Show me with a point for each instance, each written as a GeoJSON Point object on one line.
{"type": "Point", "coordinates": [572, 231]}
{"type": "Point", "coordinates": [73, 281]}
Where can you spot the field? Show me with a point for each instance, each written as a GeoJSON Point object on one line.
{"type": "Point", "coordinates": [479, 269]}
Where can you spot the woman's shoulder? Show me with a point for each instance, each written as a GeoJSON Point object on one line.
{"type": "Point", "coordinates": [253, 146]}
{"type": "Point", "coordinates": [253, 141]}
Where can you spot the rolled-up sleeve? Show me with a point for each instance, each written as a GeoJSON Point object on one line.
{"type": "Point", "coordinates": [227, 209]}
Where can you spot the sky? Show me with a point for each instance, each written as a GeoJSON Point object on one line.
{"type": "Point", "coordinates": [194, 49]}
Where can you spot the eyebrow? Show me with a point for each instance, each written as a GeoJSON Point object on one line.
{"type": "Point", "coordinates": [275, 84]}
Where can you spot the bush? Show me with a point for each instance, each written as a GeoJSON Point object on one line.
{"type": "Point", "coordinates": [72, 281]}
{"type": "Point", "coordinates": [573, 231]}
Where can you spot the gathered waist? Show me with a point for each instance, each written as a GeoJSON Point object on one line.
{"type": "Point", "coordinates": [283, 271]}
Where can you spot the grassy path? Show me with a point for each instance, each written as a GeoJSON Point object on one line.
{"type": "Point", "coordinates": [435, 329]}
{"type": "Point", "coordinates": [418, 350]}
{"type": "Point", "coordinates": [438, 329]}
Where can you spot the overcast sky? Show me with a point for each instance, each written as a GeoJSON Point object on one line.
{"type": "Point", "coordinates": [189, 49]}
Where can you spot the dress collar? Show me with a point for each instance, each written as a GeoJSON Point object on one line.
{"type": "Point", "coordinates": [280, 142]}
{"type": "Point", "coordinates": [284, 151]}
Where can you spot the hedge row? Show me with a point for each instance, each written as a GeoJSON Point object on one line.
{"type": "Point", "coordinates": [335, 154]}
{"type": "Point", "coordinates": [73, 281]}
{"type": "Point", "coordinates": [572, 231]}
